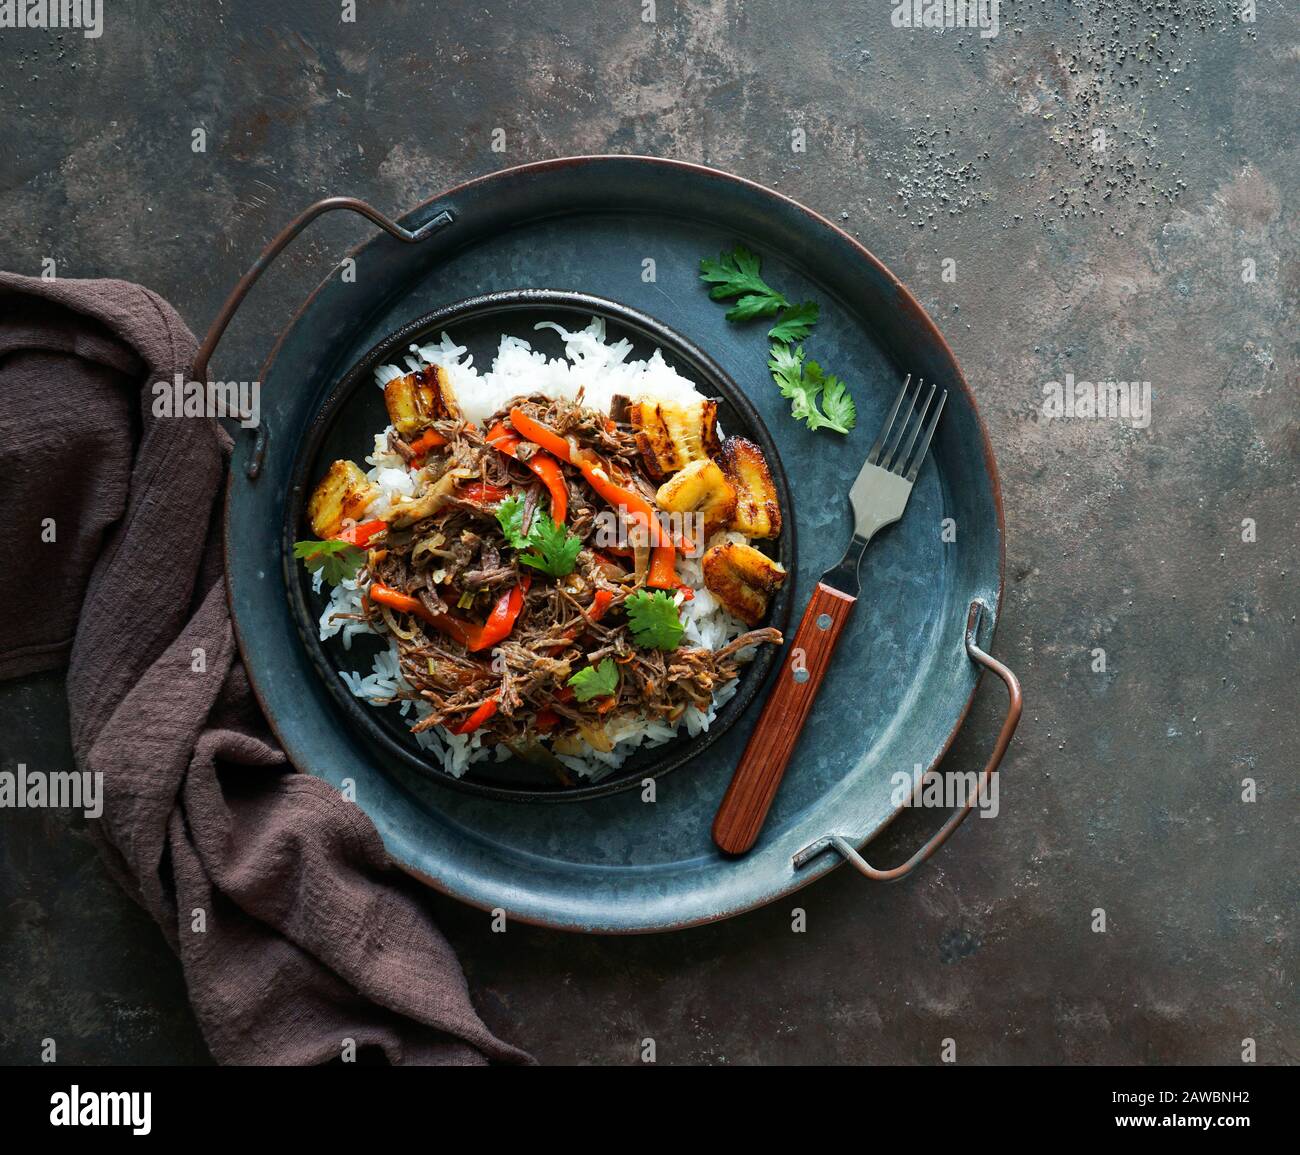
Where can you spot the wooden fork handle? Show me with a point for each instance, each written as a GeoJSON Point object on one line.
{"type": "Point", "coordinates": [754, 784]}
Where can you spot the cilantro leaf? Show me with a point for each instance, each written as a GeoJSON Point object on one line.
{"type": "Point", "coordinates": [803, 382]}
{"type": "Point", "coordinates": [795, 323]}
{"type": "Point", "coordinates": [336, 560]}
{"type": "Point", "coordinates": [510, 515]}
{"type": "Point", "coordinates": [595, 681]}
{"type": "Point", "coordinates": [787, 366]}
{"type": "Point", "coordinates": [550, 547]}
{"type": "Point", "coordinates": [841, 412]}
{"type": "Point", "coordinates": [554, 550]}
{"type": "Point", "coordinates": [735, 274]}
{"type": "Point", "coordinates": [653, 619]}
{"type": "Point", "coordinates": [753, 305]}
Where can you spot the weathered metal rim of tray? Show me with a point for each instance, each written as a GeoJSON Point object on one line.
{"type": "Point", "coordinates": [786, 880]}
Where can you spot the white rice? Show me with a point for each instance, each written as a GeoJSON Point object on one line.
{"type": "Point", "coordinates": [601, 369]}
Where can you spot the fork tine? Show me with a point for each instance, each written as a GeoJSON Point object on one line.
{"type": "Point", "coordinates": [929, 432]}
{"type": "Point", "coordinates": [901, 459]}
{"type": "Point", "coordinates": [892, 445]}
{"type": "Point", "coordinates": [874, 455]}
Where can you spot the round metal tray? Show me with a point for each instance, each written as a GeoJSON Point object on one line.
{"type": "Point", "coordinates": [633, 230]}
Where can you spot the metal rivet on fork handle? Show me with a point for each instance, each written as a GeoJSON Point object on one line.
{"type": "Point", "coordinates": [824, 621]}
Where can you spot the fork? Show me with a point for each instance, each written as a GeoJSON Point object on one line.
{"type": "Point", "coordinates": [878, 498]}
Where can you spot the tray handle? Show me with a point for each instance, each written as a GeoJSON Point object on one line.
{"type": "Point", "coordinates": [200, 369]}
{"type": "Point", "coordinates": [1015, 704]}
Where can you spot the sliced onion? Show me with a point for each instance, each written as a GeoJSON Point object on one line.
{"type": "Point", "coordinates": [405, 635]}
{"type": "Point", "coordinates": [429, 545]}
{"type": "Point", "coordinates": [595, 737]}
{"type": "Point", "coordinates": [569, 744]}
{"type": "Point", "coordinates": [640, 560]}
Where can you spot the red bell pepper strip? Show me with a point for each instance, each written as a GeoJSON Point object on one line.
{"type": "Point", "coordinates": [632, 503]}
{"type": "Point", "coordinates": [427, 442]}
{"type": "Point", "coordinates": [430, 440]}
{"type": "Point", "coordinates": [499, 437]}
{"type": "Point", "coordinates": [663, 571]}
{"type": "Point", "coordinates": [599, 605]}
{"type": "Point", "coordinates": [484, 492]}
{"type": "Point", "coordinates": [404, 604]}
{"type": "Point", "coordinates": [541, 463]}
{"type": "Point", "coordinates": [499, 623]}
{"type": "Point", "coordinates": [386, 596]}
{"type": "Point", "coordinates": [548, 469]}
{"type": "Point", "coordinates": [502, 618]}
{"type": "Point", "coordinates": [360, 535]}
{"type": "Point", "coordinates": [478, 717]}
{"type": "Point", "coordinates": [539, 434]}
{"type": "Point", "coordinates": [547, 720]}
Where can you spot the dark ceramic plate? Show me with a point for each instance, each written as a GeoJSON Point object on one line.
{"type": "Point", "coordinates": [900, 682]}
{"type": "Point", "coordinates": [345, 427]}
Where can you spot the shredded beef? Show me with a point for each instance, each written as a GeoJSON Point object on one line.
{"type": "Point", "coordinates": [466, 568]}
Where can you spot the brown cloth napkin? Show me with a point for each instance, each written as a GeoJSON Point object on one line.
{"type": "Point", "coordinates": [310, 935]}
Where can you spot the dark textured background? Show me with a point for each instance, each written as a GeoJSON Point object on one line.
{"type": "Point", "coordinates": [1122, 790]}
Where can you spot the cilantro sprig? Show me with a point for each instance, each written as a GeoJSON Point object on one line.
{"type": "Point", "coordinates": [735, 274]}
{"type": "Point", "coordinates": [595, 681]}
{"type": "Point", "coordinates": [795, 323]}
{"type": "Point", "coordinates": [335, 560]}
{"type": "Point", "coordinates": [819, 399]}
{"type": "Point", "coordinates": [653, 619]}
{"type": "Point", "coordinates": [805, 384]}
{"type": "Point", "coordinates": [549, 547]}
{"type": "Point", "coordinates": [554, 549]}
{"type": "Point", "coordinates": [510, 516]}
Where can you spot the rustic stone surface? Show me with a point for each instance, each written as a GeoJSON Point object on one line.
{"type": "Point", "coordinates": [1122, 790]}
